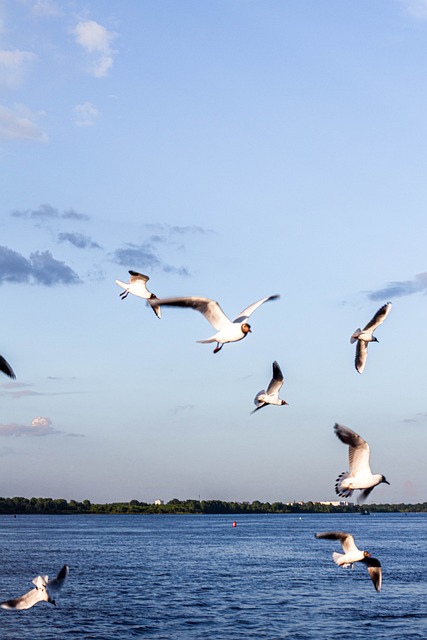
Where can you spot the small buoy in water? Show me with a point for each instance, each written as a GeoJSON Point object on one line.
{"type": "Point", "coordinates": [234, 523]}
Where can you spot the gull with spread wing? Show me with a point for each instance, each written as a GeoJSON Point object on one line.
{"type": "Point", "coordinates": [365, 336]}
{"type": "Point", "coordinates": [352, 554]}
{"type": "Point", "coordinates": [45, 590]}
{"type": "Point", "coordinates": [227, 330]}
{"type": "Point", "coordinates": [137, 286]}
{"type": "Point", "coordinates": [271, 396]}
{"type": "Point", "coordinates": [360, 475]}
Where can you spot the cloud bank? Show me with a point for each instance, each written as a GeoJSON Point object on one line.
{"type": "Point", "coordinates": [40, 268]}
{"type": "Point", "coordinates": [401, 288]}
{"type": "Point", "coordinates": [144, 256]}
{"type": "Point", "coordinates": [47, 212]}
{"type": "Point", "coordinates": [78, 240]}
{"type": "Point", "coordinates": [39, 427]}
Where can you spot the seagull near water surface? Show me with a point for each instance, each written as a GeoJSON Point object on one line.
{"type": "Point", "coordinates": [352, 554]}
{"type": "Point", "coordinates": [365, 336]}
{"type": "Point", "coordinates": [271, 396]}
{"type": "Point", "coordinates": [360, 475]}
{"type": "Point", "coordinates": [227, 330]}
{"type": "Point", "coordinates": [6, 368]}
{"type": "Point", "coordinates": [44, 591]}
{"type": "Point", "coordinates": [137, 286]}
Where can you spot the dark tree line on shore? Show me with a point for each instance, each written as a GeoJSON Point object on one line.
{"type": "Point", "coordinates": [19, 505]}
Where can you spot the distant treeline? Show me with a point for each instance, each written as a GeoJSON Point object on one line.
{"type": "Point", "coordinates": [175, 506]}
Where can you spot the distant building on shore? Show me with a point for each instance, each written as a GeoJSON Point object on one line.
{"type": "Point", "coordinates": [158, 502]}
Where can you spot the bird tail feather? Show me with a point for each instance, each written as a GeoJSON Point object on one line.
{"type": "Point", "coordinates": [340, 488]}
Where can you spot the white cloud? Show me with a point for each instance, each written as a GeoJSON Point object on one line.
{"type": "Point", "coordinates": [85, 114]}
{"type": "Point", "coordinates": [19, 124]}
{"type": "Point", "coordinates": [96, 40]}
{"type": "Point", "coordinates": [12, 66]}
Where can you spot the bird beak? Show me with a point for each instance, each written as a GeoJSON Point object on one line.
{"type": "Point", "coordinates": [386, 481]}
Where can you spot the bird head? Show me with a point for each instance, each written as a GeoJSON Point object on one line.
{"type": "Point", "coordinates": [246, 328]}
{"type": "Point", "coordinates": [374, 339]}
{"type": "Point", "coordinates": [284, 402]}
{"type": "Point", "coordinates": [383, 479]}
{"type": "Point", "coordinates": [366, 554]}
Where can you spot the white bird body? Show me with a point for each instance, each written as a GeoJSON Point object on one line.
{"type": "Point", "coordinates": [360, 475]}
{"type": "Point", "coordinates": [137, 286]}
{"type": "Point", "coordinates": [365, 336]}
{"type": "Point", "coordinates": [271, 396]}
{"type": "Point", "coordinates": [352, 554]}
{"type": "Point", "coordinates": [226, 330]}
{"type": "Point", "coordinates": [44, 592]}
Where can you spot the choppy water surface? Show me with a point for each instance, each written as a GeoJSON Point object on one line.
{"type": "Point", "coordinates": [179, 577]}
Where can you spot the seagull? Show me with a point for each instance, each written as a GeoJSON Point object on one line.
{"type": "Point", "coordinates": [227, 330]}
{"type": "Point", "coordinates": [6, 368]}
{"type": "Point", "coordinates": [45, 590]}
{"type": "Point", "coordinates": [365, 336]}
{"type": "Point", "coordinates": [136, 285]}
{"type": "Point", "coordinates": [271, 396]}
{"type": "Point", "coordinates": [360, 475]}
{"type": "Point", "coordinates": [353, 554]}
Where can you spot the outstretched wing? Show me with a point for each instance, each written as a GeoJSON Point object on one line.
{"type": "Point", "coordinates": [134, 276]}
{"type": "Point", "coordinates": [210, 309]}
{"type": "Point", "coordinates": [375, 571]}
{"type": "Point", "coordinates": [346, 539]}
{"type": "Point", "coordinates": [25, 602]}
{"type": "Point", "coordinates": [379, 317]}
{"type": "Point", "coordinates": [54, 585]}
{"type": "Point", "coordinates": [361, 355]}
{"type": "Point", "coordinates": [358, 449]}
{"type": "Point", "coordinates": [6, 368]}
{"type": "Point", "coordinates": [249, 310]}
{"type": "Point", "coordinates": [276, 381]}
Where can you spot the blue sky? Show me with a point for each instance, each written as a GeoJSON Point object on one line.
{"type": "Point", "coordinates": [232, 150]}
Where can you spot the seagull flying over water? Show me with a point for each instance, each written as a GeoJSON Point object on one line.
{"type": "Point", "coordinates": [227, 330]}
{"type": "Point", "coordinates": [365, 336]}
{"type": "Point", "coordinates": [360, 475]}
{"type": "Point", "coordinates": [6, 368]}
{"type": "Point", "coordinates": [271, 396]}
{"type": "Point", "coordinates": [136, 285]}
{"type": "Point", "coordinates": [353, 554]}
{"type": "Point", "coordinates": [45, 591]}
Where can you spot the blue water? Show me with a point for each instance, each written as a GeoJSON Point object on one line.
{"type": "Point", "coordinates": [179, 577]}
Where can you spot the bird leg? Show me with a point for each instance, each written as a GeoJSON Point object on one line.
{"type": "Point", "coordinates": [218, 347]}
{"type": "Point", "coordinates": [124, 294]}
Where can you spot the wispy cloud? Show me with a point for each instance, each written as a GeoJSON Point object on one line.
{"type": "Point", "coordinates": [96, 41]}
{"type": "Point", "coordinates": [181, 408]}
{"type": "Point", "coordinates": [45, 8]}
{"type": "Point", "coordinates": [40, 268]}
{"type": "Point", "coordinates": [40, 426]}
{"type": "Point", "coordinates": [416, 8]}
{"type": "Point", "coordinates": [85, 114]}
{"type": "Point", "coordinates": [19, 124]}
{"type": "Point", "coordinates": [78, 240]}
{"type": "Point", "coordinates": [46, 212]}
{"type": "Point", "coordinates": [401, 288]}
{"type": "Point", "coordinates": [418, 418]}
{"type": "Point", "coordinates": [144, 256]}
{"type": "Point", "coordinates": [13, 65]}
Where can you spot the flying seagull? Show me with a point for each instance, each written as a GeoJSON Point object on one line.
{"type": "Point", "coordinates": [45, 590]}
{"type": "Point", "coordinates": [365, 336]}
{"type": "Point", "coordinates": [227, 330]}
{"type": "Point", "coordinates": [6, 368]}
{"type": "Point", "coordinates": [271, 396]}
{"type": "Point", "coordinates": [360, 475]}
{"type": "Point", "coordinates": [136, 285]}
{"type": "Point", "coordinates": [353, 554]}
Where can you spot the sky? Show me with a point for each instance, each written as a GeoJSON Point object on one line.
{"type": "Point", "coordinates": [233, 150]}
